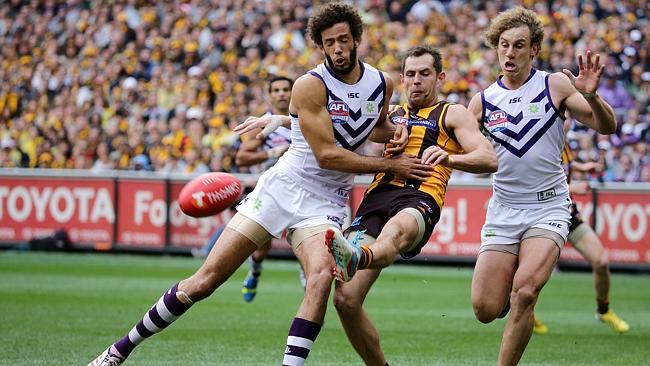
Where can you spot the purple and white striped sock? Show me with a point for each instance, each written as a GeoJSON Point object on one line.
{"type": "Point", "coordinates": [160, 316]}
{"type": "Point", "coordinates": [302, 336]}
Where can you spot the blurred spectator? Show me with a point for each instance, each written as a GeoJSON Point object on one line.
{"type": "Point", "coordinates": [110, 85]}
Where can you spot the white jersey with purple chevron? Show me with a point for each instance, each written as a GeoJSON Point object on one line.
{"type": "Point", "coordinates": [526, 131]}
{"type": "Point", "coordinates": [354, 110]}
{"type": "Point", "coordinates": [281, 136]}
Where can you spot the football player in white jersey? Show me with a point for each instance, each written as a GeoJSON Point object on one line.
{"type": "Point", "coordinates": [585, 240]}
{"type": "Point", "coordinates": [528, 216]}
{"type": "Point", "coordinates": [266, 152]}
{"type": "Point", "coordinates": [302, 192]}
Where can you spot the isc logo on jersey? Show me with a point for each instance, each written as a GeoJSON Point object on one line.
{"type": "Point", "coordinates": [339, 111]}
{"type": "Point", "coordinates": [497, 121]}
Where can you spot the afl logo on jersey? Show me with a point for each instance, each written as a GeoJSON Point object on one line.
{"type": "Point", "coordinates": [339, 111]}
{"type": "Point", "coordinates": [497, 121]}
{"type": "Point", "coordinates": [400, 120]}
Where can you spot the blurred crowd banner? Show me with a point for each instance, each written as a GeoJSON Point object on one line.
{"type": "Point", "coordinates": [133, 211]}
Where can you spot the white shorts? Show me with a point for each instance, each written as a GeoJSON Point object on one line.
{"type": "Point", "coordinates": [508, 225]}
{"type": "Point", "coordinates": [278, 203]}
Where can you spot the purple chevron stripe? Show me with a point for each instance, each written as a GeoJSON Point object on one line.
{"type": "Point", "coordinates": [378, 90]}
{"type": "Point", "coordinates": [383, 95]}
{"type": "Point", "coordinates": [533, 140]}
{"type": "Point", "coordinates": [548, 106]}
{"type": "Point", "coordinates": [514, 120]}
{"type": "Point", "coordinates": [347, 145]}
{"type": "Point", "coordinates": [355, 132]}
{"type": "Point", "coordinates": [332, 95]}
{"type": "Point", "coordinates": [539, 97]}
{"type": "Point", "coordinates": [518, 136]}
{"type": "Point", "coordinates": [355, 115]}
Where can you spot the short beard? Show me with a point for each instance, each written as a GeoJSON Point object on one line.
{"type": "Point", "coordinates": [345, 70]}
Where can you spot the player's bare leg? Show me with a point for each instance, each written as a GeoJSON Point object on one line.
{"type": "Point", "coordinates": [491, 284]}
{"type": "Point", "coordinates": [305, 327]}
{"type": "Point", "coordinates": [588, 244]}
{"type": "Point", "coordinates": [226, 256]}
{"type": "Point", "coordinates": [537, 257]}
{"type": "Point", "coordinates": [349, 255]}
{"type": "Point", "coordinates": [397, 236]}
{"type": "Point", "coordinates": [348, 300]}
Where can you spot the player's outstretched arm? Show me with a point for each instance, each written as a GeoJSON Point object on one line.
{"type": "Point", "coordinates": [578, 94]}
{"type": "Point", "coordinates": [308, 101]}
{"type": "Point", "coordinates": [478, 156]}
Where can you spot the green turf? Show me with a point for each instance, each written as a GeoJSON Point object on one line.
{"type": "Point", "coordinates": [63, 309]}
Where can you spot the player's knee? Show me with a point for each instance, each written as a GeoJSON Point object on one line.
{"type": "Point", "coordinates": [601, 264]}
{"type": "Point", "coordinates": [320, 282]}
{"type": "Point", "coordinates": [523, 297]}
{"type": "Point", "coordinates": [346, 303]}
{"type": "Point", "coordinates": [485, 309]}
{"type": "Point", "coordinates": [198, 287]}
{"type": "Point", "coordinates": [484, 312]}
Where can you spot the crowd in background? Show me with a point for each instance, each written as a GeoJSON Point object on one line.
{"type": "Point", "coordinates": [135, 85]}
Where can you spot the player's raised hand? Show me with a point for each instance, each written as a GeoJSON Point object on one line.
{"type": "Point", "coordinates": [398, 143]}
{"type": "Point", "coordinates": [588, 74]}
{"type": "Point", "coordinates": [268, 124]}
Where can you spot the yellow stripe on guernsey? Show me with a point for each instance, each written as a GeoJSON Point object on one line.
{"type": "Point", "coordinates": [426, 127]}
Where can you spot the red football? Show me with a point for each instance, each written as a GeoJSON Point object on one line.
{"type": "Point", "coordinates": [209, 194]}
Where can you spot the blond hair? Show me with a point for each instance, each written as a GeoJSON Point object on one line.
{"type": "Point", "coordinates": [514, 18]}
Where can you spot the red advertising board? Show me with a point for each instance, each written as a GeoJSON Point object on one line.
{"type": "Point", "coordinates": [622, 223]}
{"type": "Point", "coordinates": [458, 233]}
{"type": "Point", "coordinates": [141, 213]}
{"type": "Point", "coordinates": [36, 207]}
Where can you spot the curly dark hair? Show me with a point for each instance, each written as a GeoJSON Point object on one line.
{"type": "Point", "coordinates": [329, 14]}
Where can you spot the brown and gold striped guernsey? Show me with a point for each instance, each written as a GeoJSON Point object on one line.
{"type": "Point", "coordinates": [426, 127]}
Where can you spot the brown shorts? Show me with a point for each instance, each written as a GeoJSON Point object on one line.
{"type": "Point", "coordinates": [575, 220]}
{"type": "Point", "coordinates": [382, 203]}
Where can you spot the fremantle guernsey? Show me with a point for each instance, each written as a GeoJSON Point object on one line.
{"type": "Point", "coordinates": [526, 131]}
{"type": "Point", "coordinates": [354, 110]}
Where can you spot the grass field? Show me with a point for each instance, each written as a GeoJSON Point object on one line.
{"type": "Point", "coordinates": [63, 309]}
